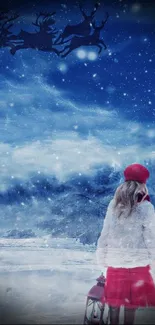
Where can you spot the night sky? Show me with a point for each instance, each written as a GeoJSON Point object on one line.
{"type": "Point", "coordinates": [68, 128]}
{"type": "Point", "coordinates": [64, 116]}
{"type": "Point", "coordinates": [122, 78]}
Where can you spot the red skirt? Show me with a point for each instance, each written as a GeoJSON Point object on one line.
{"type": "Point", "coordinates": [133, 287]}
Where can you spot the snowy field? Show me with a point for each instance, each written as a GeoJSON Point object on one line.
{"type": "Point", "coordinates": [46, 281]}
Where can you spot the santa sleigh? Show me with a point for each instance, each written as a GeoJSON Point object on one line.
{"type": "Point", "coordinates": [95, 307]}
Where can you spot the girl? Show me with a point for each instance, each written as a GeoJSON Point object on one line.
{"type": "Point", "coordinates": [126, 247]}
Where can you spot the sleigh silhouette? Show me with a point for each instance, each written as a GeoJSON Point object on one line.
{"type": "Point", "coordinates": [6, 22]}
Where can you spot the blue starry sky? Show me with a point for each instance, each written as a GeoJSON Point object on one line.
{"type": "Point", "coordinates": [61, 116]}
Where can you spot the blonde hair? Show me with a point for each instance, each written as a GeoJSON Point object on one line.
{"type": "Point", "coordinates": [126, 197]}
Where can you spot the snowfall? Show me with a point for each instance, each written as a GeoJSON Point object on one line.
{"type": "Point", "coordinates": [46, 280]}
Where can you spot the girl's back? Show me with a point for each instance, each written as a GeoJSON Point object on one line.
{"type": "Point", "coordinates": [126, 247]}
{"type": "Point", "coordinates": [124, 240]}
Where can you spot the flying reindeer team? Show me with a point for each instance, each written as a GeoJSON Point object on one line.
{"type": "Point", "coordinates": [46, 38]}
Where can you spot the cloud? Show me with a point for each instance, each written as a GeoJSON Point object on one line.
{"type": "Point", "coordinates": [63, 156]}
{"type": "Point", "coordinates": [30, 106]}
{"type": "Point", "coordinates": [44, 130]}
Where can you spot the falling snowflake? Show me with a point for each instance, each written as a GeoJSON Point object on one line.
{"type": "Point", "coordinates": [139, 283]}
{"type": "Point", "coordinates": [92, 56]}
{"type": "Point", "coordinates": [81, 54]}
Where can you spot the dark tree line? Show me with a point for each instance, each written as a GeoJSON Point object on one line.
{"type": "Point", "coordinates": [47, 38]}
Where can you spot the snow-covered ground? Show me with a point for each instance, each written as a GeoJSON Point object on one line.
{"type": "Point", "coordinates": [45, 280]}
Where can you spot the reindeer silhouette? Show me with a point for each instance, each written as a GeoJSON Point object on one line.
{"type": "Point", "coordinates": [5, 25]}
{"type": "Point", "coordinates": [82, 29]}
{"type": "Point", "coordinates": [41, 40]}
{"type": "Point", "coordinates": [90, 40]}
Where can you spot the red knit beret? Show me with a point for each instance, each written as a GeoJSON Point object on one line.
{"type": "Point", "coordinates": [136, 172]}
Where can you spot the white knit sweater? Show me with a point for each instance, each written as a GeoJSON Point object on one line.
{"type": "Point", "coordinates": [127, 241]}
